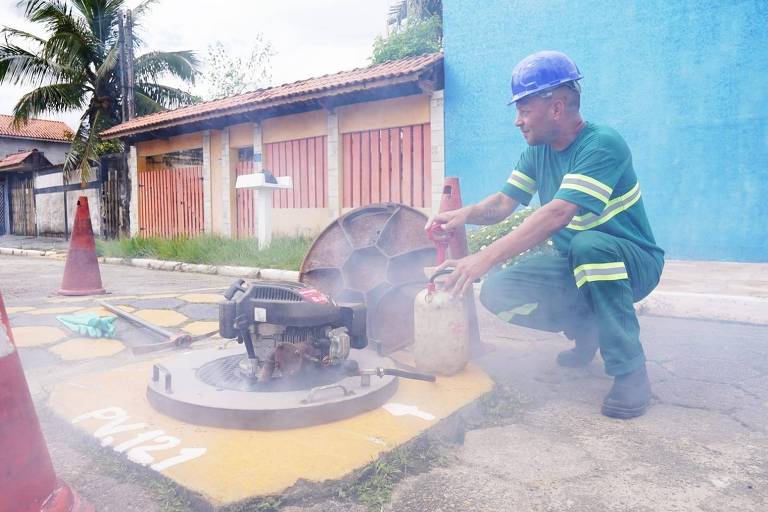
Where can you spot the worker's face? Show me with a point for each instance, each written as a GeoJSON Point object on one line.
{"type": "Point", "coordinates": [536, 120]}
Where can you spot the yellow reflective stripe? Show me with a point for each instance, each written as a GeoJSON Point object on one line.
{"type": "Point", "coordinates": [606, 277]}
{"type": "Point", "coordinates": [590, 179]}
{"type": "Point", "coordinates": [598, 266]}
{"type": "Point", "coordinates": [613, 208]}
{"type": "Point", "coordinates": [589, 272]}
{"type": "Point", "coordinates": [524, 177]}
{"type": "Point", "coordinates": [523, 182]}
{"type": "Point", "coordinates": [585, 190]}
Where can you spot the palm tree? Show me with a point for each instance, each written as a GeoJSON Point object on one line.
{"type": "Point", "coordinates": [76, 68]}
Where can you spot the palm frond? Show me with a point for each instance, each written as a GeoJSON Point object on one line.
{"type": "Point", "coordinates": [82, 153]}
{"type": "Point", "coordinates": [109, 64]}
{"type": "Point", "coordinates": [166, 96]}
{"type": "Point", "coordinates": [19, 66]}
{"type": "Point", "coordinates": [48, 98]}
{"type": "Point", "coordinates": [12, 32]}
{"type": "Point", "coordinates": [182, 64]}
{"type": "Point", "coordinates": [146, 105]}
{"type": "Point", "coordinates": [64, 28]}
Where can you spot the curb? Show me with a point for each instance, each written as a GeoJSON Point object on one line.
{"type": "Point", "coordinates": [697, 306]}
{"type": "Point", "coordinates": [272, 274]}
{"type": "Point", "coordinates": [705, 306]}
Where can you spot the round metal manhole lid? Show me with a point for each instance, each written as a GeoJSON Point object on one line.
{"type": "Point", "coordinates": [224, 373]}
{"type": "Point", "coordinates": [374, 255]}
{"type": "Point", "coordinates": [176, 390]}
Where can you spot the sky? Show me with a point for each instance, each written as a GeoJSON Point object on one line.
{"type": "Point", "coordinates": [309, 37]}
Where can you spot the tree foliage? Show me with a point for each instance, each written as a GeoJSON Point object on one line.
{"type": "Point", "coordinates": [416, 27]}
{"type": "Point", "coordinates": [415, 37]}
{"type": "Point", "coordinates": [75, 67]}
{"type": "Point", "coordinates": [228, 74]}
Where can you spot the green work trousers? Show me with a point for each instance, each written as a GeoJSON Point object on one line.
{"type": "Point", "coordinates": [588, 293]}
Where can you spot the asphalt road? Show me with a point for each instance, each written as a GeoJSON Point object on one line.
{"type": "Point", "coordinates": [703, 446]}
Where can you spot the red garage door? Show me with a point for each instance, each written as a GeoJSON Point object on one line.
{"type": "Point", "coordinates": [171, 202]}
{"type": "Point", "coordinates": [391, 164]}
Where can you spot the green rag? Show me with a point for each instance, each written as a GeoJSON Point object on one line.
{"type": "Point", "coordinates": [90, 324]}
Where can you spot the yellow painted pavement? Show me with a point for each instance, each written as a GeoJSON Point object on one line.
{"type": "Point", "coordinates": [206, 298]}
{"type": "Point", "coordinates": [37, 335]}
{"type": "Point", "coordinates": [19, 309]}
{"type": "Point", "coordinates": [97, 310]}
{"type": "Point", "coordinates": [238, 464]}
{"type": "Point", "coordinates": [87, 348]}
{"type": "Point", "coordinates": [55, 311]}
{"type": "Point", "coordinates": [162, 317]}
{"type": "Point", "coordinates": [200, 328]}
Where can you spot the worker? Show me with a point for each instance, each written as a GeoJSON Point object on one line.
{"type": "Point", "coordinates": [591, 207]}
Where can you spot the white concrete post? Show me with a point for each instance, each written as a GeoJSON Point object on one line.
{"type": "Point", "coordinates": [207, 218]}
{"type": "Point", "coordinates": [226, 185]}
{"type": "Point", "coordinates": [437, 137]}
{"type": "Point", "coordinates": [133, 174]}
{"type": "Point", "coordinates": [334, 168]}
{"type": "Point", "coordinates": [263, 201]}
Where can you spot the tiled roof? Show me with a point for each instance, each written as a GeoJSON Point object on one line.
{"type": "Point", "coordinates": [281, 94]}
{"type": "Point", "coordinates": [39, 129]}
{"type": "Point", "coordinates": [15, 159]}
{"type": "Point", "coordinates": [23, 159]}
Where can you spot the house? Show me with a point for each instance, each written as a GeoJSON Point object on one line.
{"type": "Point", "coordinates": [682, 84]}
{"type": "Point", "coordinates": [347, 139]}
{"type": "Point", "coordinates": [31, 161]}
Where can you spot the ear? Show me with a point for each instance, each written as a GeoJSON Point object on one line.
{"type": "Point", "coordinates": [557, 108]}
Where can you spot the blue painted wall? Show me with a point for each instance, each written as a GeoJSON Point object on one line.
{"type": "Point", "coordinates": [684, 81]}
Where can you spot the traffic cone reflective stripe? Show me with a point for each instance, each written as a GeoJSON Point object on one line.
{"type": "Point", "coordinates": [28, 482]}
{"type": "Point", "coordinates": [81, 272]}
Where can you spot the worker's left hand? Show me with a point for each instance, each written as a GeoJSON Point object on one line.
{"type": "Point", "coordinates": [466, 271]}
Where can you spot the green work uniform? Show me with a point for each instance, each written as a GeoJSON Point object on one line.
{"type": "Point", "coordinates": [606, 259]}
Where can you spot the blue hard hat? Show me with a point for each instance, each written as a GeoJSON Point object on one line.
{"type": "Point", "coordinates": [541, 71]}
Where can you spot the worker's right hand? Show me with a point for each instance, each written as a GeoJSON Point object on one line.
{"type": "Point", "coordinates": [449, 221]}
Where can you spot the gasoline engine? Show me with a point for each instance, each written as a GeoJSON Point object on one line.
{"type": "Point", "coordinates": [287, 327]}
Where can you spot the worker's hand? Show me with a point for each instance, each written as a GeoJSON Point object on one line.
{"type": "Point", "coordinates": [450, 221]}
{"type": "Point", "coordinates": [466, 271]}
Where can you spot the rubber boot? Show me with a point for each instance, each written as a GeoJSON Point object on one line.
{"type": "Point", "coordinates": [630, 395]}
{"type": "Point", "coordinates": [580, 355]}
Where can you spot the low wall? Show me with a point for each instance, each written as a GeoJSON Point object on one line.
{"type": "Point", "coordinates": [49, 202]}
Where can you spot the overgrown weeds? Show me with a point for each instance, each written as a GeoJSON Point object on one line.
{"type": "Point", "coordinates": [373, 488]}
{"type": "Point", "coordinates": [284, 253]}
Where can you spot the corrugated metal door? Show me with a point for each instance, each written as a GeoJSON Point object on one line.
{"type": "Point", "coordinates": [171, 202]}
{"type": "Point", "coordinates": [246, 216]}
{"type": "Point", "coordinates": [305, 160]}
{"type": "Point", "coordinates": [392, 164]}
{"type": "Point", "coordinates": [23, 206]}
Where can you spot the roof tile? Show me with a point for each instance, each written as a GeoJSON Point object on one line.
{"type": "Point", "coordinates": [40, 129]}
{"type": "Point", "coordinates": [296, 89]}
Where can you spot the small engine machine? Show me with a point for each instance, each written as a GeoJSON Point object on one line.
{"type": "Point", "coordinates": [288, 327]}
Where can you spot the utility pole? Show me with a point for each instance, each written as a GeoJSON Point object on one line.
{"type": "Point", "coordinates": [125, 27]}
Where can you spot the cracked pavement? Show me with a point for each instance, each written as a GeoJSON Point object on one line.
{"type": "Point", "coordinates": [702, 446]}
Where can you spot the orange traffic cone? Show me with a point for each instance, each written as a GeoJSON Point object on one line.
{"type": "Point", "coordinates": [458, 248]}
{"type": "Point", "coordinates": [27, 480]}
{"type": "Point", "coordinates": [81, 273]}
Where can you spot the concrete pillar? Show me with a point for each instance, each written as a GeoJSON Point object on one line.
{"type": "Point", "coordinates": [227, 186]}
{"type": "Point", "coordinates": [133, 174]}
{"type": "Point", "coordinates": [258, 148]}
{"type": "Point", "coordinates": [207, 217]}
{"type": "Point", "coordinates": [437, 137]}
{"type": "Point", "coordinates": [334, 165]}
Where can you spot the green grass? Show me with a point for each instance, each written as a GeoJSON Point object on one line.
{"type": "Point", "coordinates": [373, 488]}
{"type": "Point", "coordinates": [283, 253]}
